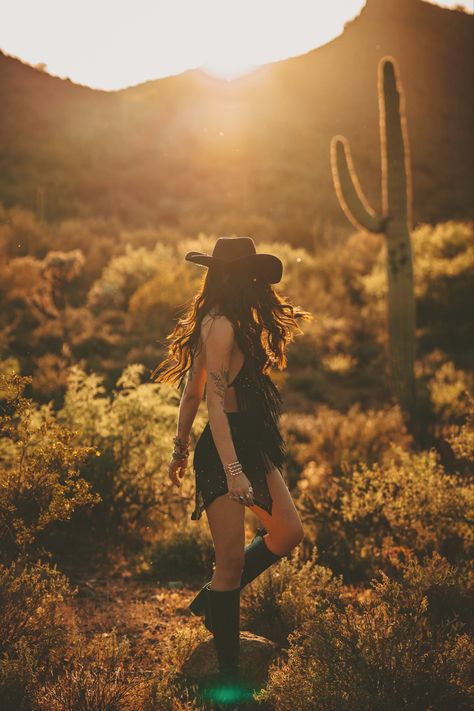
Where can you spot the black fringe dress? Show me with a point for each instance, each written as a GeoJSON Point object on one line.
{"type": "Point", "coordinates": [257, 440]}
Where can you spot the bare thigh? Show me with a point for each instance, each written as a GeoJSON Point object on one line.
{"type": "Point", "coordinates": [284, 524]}
{"type": "Point", "coordinates": [226, 523]}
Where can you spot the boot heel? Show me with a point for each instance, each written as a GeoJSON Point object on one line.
{"type": "Point", "coordinates": [198, 604]}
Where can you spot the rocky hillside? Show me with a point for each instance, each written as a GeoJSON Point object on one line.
{"type": "Point", "coordinates": [190, 149]}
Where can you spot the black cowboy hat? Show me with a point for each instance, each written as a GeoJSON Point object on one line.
{"type": "Point", "coordinates": [240, 252]}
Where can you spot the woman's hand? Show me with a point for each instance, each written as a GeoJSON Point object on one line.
{"type": "Point", "coordinates": [240, 486]}
{"type": "Point", "coordinates": [177, 470]}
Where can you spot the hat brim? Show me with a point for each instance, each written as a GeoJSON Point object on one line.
{"type": "Point", "coordinates": [265, 266]}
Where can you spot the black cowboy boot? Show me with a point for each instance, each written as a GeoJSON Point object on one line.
{"type": "Point", "coordinates": [226, 688]}
{"type": "Point", "coordinates": [224, 611]}
{"type": "Point", "coordinates": [257, 559]}
{"type": "Point", "coordinates": [198, 604]}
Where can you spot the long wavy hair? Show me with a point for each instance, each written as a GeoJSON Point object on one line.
{"type": "Point", "coordinates": [264, 322]}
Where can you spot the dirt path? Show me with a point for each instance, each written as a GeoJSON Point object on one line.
{"type": "Point", "coordinates": [137, 607]}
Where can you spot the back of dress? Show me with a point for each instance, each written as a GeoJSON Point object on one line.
{"type": "Point", "coordinates": [258, 442]}
{"type": "Point", "coordinates": [258, 396]}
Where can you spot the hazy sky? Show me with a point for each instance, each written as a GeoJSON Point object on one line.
{"type": "Point", "coordinates": [111, 44]}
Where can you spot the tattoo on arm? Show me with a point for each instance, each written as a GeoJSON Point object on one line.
{"type": "Point", "coordinates": [220, 378]}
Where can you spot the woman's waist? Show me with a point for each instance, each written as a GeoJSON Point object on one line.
{"type": "Point", "coordinates": [250, 419]}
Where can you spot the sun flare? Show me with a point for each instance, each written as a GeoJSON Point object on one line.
{"type": "Point", "coordinates": [226, 39]}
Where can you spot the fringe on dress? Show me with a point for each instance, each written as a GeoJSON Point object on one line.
{"type": "Point", "coordinates": [257, 439]}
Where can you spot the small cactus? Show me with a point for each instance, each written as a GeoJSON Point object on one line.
{"type": "Point", "coordinates": [395, 222]}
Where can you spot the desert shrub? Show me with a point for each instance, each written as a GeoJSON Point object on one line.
{"type": "Point", "coordinates": [282, 598]}
{"type": "Point", "coordinates": [34, 295]}
{"type": "Point", "coordinates": [94, 678]}
{"type": "Point", "coordinates": [411, 502]}
{"type": "Point", "coordinates": [443, 259]}
{"type": "Point", "coordinates": [40, 486]}
{"type": "Point", "coordinates": [444, 265]}
{"type": "Point", "coordinates": [461, 440]}
{"type": "Point", "coordinates": [125, 273]}
{"type": "Point", "coordinates": [22, 234]}
{"type": "Point", "coordinates": [40, 478]}
{"type": "Point", "coordinates": [180, 555]}
{"type": "Point", "coordinates": [131, 429]}
{"type": "Point", "coordinates": [360, 494]}
{"type": "Point", "coordinates": [339, 346]}
{"type": "Point", "coordinates": [155, 303]}
{"type": "Point", "coordinates": [18, 678]}
{"type": "Point", "coordinates": [169, 688]}
{"type": "Point", "coordinates": [323, 359]}
{"type": "Point", "coordinates": [101, 674]}
{"type": "Point", "coordinates": [326, 442]}
{"type": "Point", "coordinates": [448, 388]}
{"type": "Point", "coordinates": [384, 649]}
{"type": "Point", "coordinates": [50, 376]}
{"type": "Point", "coordinates": [33, 633]}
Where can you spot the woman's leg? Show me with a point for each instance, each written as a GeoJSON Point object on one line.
{"type": "Point", "coordinates": [284, 526]}
{"type": "Point", "coordinates": [226, 522]}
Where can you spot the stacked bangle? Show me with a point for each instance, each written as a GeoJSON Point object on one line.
{"type": "Point", "coordinates": [233, 468]}
{"type": "Point", "coordinates": [181, 450]}
{"type": "Point", "coordinates": [178, 455]}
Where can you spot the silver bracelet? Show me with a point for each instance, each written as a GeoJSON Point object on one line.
{"type": "Point", "coordinates": [233, 468]}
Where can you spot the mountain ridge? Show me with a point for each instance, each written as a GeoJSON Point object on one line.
{"type": "Point", "coordinates": [191, 148]}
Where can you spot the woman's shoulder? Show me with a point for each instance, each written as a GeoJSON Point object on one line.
{"type": "Point", "coordinates": [217, 326]}
{"type": "Point", "coordinates": [216, 317]}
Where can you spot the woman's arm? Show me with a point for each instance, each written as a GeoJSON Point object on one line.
{"type": "Point", "coordinates": [191, 397]}
{"type": "Point", "coordinates": [219, 344]}
{"type": "Point", "coordinates": [188, 407]}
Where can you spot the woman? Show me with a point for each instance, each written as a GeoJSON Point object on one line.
{"type": "Point", "coordinates": [235, 330]}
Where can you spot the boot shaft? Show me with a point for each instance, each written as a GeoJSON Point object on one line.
{"type": "Point", "coordinates": [224, 613]}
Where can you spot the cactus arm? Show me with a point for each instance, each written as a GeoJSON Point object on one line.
{"type": "Point", "coordinates": [395, 223]}
{"type": "Point", "coordinates": [349, 192]}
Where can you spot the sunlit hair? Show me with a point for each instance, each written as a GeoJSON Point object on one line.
{"type": "Point", "coordinates": [264, 322]}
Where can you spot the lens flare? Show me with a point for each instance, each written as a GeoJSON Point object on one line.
{"type": "Point", "coordinates": [227, 693]}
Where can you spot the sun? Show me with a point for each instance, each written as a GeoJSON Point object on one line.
{"type": "Point", "coordinates": [228, 69]}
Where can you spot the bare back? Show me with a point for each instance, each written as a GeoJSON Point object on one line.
{"type": "Point", "coordinates": [236, 361]}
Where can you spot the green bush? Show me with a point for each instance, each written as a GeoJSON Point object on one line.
{"type": "Point", "coordinates": [410, 502]}
{"type": "Point", "coordinates": [384, 649]}
{"type": "Point", "coordinates": [40, 478]}
{"type": "Point", "coordinates": [102, 674]}
{"type": "Point", "coordinates": [461, 440]}
{"type": "Point", "coordinates": [40, 486]}
{"type": "Point", "coordinates": [322, 450]}
{"type": "Point", "coordinates": [333, 440]}
{"type": "Point", "coordinates": [281, 599]}
{"type": "Point", "coordinates": [94, 678]}
{"type": "Point", "coordinates": [361, 490]}
{"type": "Point", "coordinates": [125, 273]}
{"type": "Point", "coordinates": [447, 388]}
{"type": "Point", "coordinates": [185, 555]}
{"type": "Point", "coordinates": [131, 431]}
{"type": "Point", "coordinates": [33, 633]}
{"type": "Point", "coordinates": [443, 261]}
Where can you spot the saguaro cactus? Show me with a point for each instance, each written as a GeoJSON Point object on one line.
{"type": "Point", "coordinates": [395, 222]}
